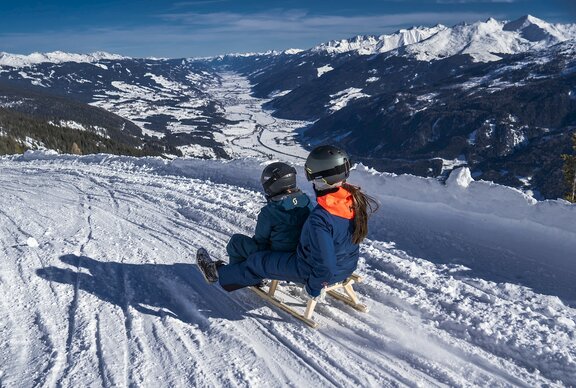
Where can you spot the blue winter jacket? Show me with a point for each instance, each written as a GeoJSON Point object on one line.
{"type": "Point", "coordinates": [280, 222]}
{"type": "Point", "coordinates": [326, 252]}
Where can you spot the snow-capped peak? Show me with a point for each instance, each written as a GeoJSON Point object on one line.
{"type": "Point", "coordinates": [485, 41]}
{"type": "Point", "coordinates": [534, 29]}
{"type": "Point", "coordinates": [18, 60]}
{"type": "Point", "coordinates": [292, 51]}
{"type": "Point", "coordinates": [371, 44]}
{"type": "Point", "coordinates": [524, 22]}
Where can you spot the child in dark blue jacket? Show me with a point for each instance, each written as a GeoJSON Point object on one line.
{"type": "Point", "coordinates": [280, 221]}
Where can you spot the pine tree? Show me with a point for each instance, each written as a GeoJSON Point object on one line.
{"type": "Point", "coordinates": [570, 172]}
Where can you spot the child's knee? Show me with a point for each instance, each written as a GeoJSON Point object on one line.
{"type": "Point", "coordinates": [234, 242]}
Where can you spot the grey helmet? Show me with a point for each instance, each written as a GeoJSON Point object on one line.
{"type": "Point", "coordinates": [278, 178]}
{"type": "Point", "coordinates": [327, 163]}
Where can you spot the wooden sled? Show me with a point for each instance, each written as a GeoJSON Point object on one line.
{"type": "Point", "coordinates": [342, 291]}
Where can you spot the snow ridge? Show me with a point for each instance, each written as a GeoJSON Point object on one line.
{"type": "Point", "coordinates": [370, 44]}
{"type": "Point", "coordinates": [485, 41]}
{"type": "Point", "coordinates": [17, 60]}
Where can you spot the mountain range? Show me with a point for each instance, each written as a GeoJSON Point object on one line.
{"type": "Point", "coordinates": [497, 96]}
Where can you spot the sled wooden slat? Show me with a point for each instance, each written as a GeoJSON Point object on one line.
{"type": "Point", "coordinates": [346, 299]}
{"type": "Point", "coordinates": [284, 307]}
{"type": "Point", "coordinates": [348, 296]}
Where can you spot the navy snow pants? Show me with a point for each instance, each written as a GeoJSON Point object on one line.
{"type": "Point", "coordinates": [240, 247]}
{"type": "Point", "coordinates": [263, 265]}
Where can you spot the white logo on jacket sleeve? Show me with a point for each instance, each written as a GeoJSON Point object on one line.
{"type": "Point", "coordinates": [294, 201]}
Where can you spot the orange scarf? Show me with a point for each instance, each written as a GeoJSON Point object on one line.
{"type": "Point", "coordinates": [340, 203]}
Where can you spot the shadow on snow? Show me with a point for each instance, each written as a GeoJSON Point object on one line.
{"type": "Point", "coordinates": [175, 290]}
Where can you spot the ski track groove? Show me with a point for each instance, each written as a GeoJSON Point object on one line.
{"type": "Point", "coordinates": [129, 351]}
{"type": "Point", "coordinates": [190, 347]}
{"type": "Point", "coordinates": [277, 338]}
{"type": "Point", "coordinates": [106, 382]}
{"type": "Point", "coordinates": [203, 326]}
{"type": "Point", "coordinates": [71, 328]}
{"type": "Point", "coordinates": [165, 346]}
{"type": "Point", "coordinates": [18, 331]}
{"type": "Point", "coordinates": [399, 369]}
{"type": "Point", "coordinates": [392, 279]}
{"type": "Point", "coordinates": [55, 361]}
{"type": "Point", "coordinates": [311, 362]}
{"type": "Point", "coordinates": [74, 305]}
{"type": "Point", "coordinates": [290, 344]}
{"type": "Point", "coordinates": [331, 314]}
{"type": "Point", "coordinates": [38, 322]}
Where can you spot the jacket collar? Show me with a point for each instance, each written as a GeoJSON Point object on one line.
{"type": "Point", "coordinates": [289, 201]}
{"type": "Point", "coordinates": [283, 195]}
{"type": "Point", "coordinates": [339, 203]}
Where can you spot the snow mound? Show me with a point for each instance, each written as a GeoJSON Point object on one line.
{"type": "Point", "coordinates": [459, 177]}
{"type": "Point", "coordinates": [32, 243]}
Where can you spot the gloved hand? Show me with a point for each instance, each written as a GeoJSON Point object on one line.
{"type": "Point", "coordinates": [315, 295]}
{"type": "Point", "coordinates": [322, 297]}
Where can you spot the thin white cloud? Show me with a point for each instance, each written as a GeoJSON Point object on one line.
{"type": "Point", "coordinates": [193, 3]}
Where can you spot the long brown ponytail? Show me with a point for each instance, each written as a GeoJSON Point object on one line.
{"type": "Point", "coordinates": [364, 206]}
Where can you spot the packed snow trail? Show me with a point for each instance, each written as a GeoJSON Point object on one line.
{"type": "Point", "coordinates": [98, 288]}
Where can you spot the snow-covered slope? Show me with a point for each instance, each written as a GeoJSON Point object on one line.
{"type": "Point", "coordinates": [468, 284]}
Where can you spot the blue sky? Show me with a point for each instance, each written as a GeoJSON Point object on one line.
{"type": "Point", "coordinates": [195, 28]}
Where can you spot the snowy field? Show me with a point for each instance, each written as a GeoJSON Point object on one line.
{"type": "Point", "coordinates": [468, 283]}
{"type": "Point", "coordinates": [256, 132]}
{"type": "Point", "coordinates": [252, 132]}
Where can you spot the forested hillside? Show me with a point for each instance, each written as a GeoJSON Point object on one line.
{"type": "Point", "coordinates": [31, 118]}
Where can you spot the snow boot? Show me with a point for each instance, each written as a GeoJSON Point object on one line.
{"type": "Point", "coordinates": [207, 267]}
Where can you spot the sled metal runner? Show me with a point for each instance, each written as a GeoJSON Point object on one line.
{"type": "Point", "coordinates": [342, 291]}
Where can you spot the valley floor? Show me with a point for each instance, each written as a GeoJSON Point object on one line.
{"type": "Point", "coordinates": [256, 132]}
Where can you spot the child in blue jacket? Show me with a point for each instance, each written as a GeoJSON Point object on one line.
{"type": "Point", "coordinates": [280, 221]}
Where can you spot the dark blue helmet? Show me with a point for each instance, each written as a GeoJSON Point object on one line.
{"type": "Point", "coordinates": [278, 178]}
